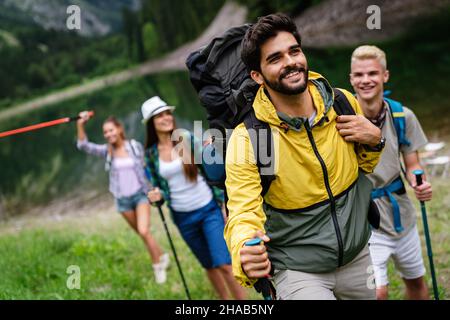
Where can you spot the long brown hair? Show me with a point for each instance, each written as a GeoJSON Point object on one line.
{"type": "Point", "coordinates": [190, 170]}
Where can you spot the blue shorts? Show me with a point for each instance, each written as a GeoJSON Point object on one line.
{"type": "Point", "coordinates": [202, 229]}
{"type": "Point", "coordinates": [130, 203]}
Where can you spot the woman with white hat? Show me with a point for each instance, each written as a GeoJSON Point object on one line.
{"type": "Point", "coordinates": [127, 182]}
{"type": "Point", "coordinates": [195, 206]}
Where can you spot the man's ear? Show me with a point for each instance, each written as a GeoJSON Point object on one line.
{"type": "Point", "coordinates": [350, 78]}
{"type": "Point", "coordinates": [386, 76]}
{"type": "Point", "coordinates": [257, 77]}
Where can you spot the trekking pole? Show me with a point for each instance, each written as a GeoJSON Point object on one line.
{"type": "Point", "coordinates": [159, 204]}
{"type": "Point", "coordinates": [263, 285]}
{"type": "Point", "coordinates": [418, 174]}
{"type": "Point", "coordinates": [42, 125]}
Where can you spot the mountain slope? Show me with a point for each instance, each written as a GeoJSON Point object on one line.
{"type": "Point", "coordinates": [98, 17]}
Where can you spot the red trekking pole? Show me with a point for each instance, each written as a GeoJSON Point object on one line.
{"type": "Point", "coordinates": [42, 125]}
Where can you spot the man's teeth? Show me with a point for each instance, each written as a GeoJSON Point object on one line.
{"type": "Point", "coordinates": [290, 74]}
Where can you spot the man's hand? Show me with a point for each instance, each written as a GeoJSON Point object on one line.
{"type": "Point", "coordinates": [254, 259]}
{"type": "Point", "coordinates": [359, 129]}
{"type": "Point", "coordinates": [424, 191]}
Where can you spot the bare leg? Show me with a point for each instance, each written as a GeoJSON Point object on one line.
{"type": "Point", "coordinates": [132, 218]}
{"type": "Point", "coordinates": [143, 222]}
{"type": "Point", "coordinates": [215, 276]}
{"type": "Point", "coordinates": [416, 289]}
{"type": "Point", "coordinates": [237, 291]}
{"type": "Point", "coordinates": [382, 293]}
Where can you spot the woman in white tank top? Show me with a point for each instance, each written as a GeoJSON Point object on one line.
{"type": "Point", "coordinates": [192, 202]}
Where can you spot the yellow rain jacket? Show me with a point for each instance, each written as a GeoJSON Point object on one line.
{"type": "Point", "coordinates": [315, 211]}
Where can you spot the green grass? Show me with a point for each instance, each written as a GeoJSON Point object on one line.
{"type": "Point", "coordinates": [113, 261]}
{"type": "Point", "coordinates": [439, 223]}
{"type": "Point", "coordinates": [115, 265]}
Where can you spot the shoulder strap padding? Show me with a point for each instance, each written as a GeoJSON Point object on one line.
{"type": "Point", "coordinates": [134, 147]}
{"type": "Point", "coordinates": [398, 115]}
{"type": "Point", "coordinates": [341, 104]}
{"type": "Point", "coordinates": [262, 142]}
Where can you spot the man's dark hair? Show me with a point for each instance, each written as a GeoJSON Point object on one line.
{"type": "Point", "coordinates": [265, 28]}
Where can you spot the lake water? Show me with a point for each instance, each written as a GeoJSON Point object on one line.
{"type": "Point", "coordinates": [39, 166]}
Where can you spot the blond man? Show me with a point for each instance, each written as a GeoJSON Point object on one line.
{"type": "Point", "coordinates": [397, 237]}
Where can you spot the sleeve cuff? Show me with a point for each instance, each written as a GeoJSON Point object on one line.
{"type": "Point", "coordinates": [81, 143]}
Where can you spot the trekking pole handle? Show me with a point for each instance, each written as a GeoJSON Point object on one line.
{"type": "Point", "coordinates": [253, 242]}
{"type": "Point", "coordinates": [418, 174]}
{"type": "Point", "coordinates": [266, 294]}
{"type": "Point", "coordinates": [158, 203]}
{"type": "Point", "coordinates": [90, 113]}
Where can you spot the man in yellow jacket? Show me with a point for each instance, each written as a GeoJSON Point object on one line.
{"type": "Point", "coordinates": [314, 218]}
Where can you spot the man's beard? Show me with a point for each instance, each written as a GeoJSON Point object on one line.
{"type": "Point", "coordinates": [278, 86]}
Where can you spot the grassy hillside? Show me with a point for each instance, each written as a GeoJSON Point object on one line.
{"type": "Point", "coordinates": [113, 261]}
{"type": "Point", "coordinates": [115, 265]}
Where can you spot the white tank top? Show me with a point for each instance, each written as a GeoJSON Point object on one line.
{"type": "Point", "coordinates": [128, 179]}
{"type": "Point", "coordinates": [185, 195]}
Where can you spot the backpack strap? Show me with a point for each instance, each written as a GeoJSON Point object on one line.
{"type": "Point", "coordinates": [108, 161]}
{"type": "Point", "coordinates": [262, 145]}
{"type": "Point", "coordinates": [398, 187]}
{"type": "Point", "coordinates": [398, 115]}
{"type": "Point", "coordinates": [134, 148]}
{"type": "Point", "coordinates": [109, 157]}
{"type": "Point", "coordinates": [341, 104]}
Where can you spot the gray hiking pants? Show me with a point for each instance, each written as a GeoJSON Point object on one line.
{"type": "Point", "coordinates": [354, 281]}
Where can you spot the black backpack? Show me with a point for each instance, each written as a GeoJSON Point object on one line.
{"type": "Point", "coordinates": [226, 90]}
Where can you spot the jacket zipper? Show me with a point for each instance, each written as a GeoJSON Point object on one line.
{"type": "Point", "coordinates": [330, 195]}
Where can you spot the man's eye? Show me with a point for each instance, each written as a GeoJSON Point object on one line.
{"type": "Point", "coordinates": [273, 60]}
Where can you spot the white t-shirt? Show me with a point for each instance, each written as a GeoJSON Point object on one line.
{"type": "Point", "coordinates": [185, 195]}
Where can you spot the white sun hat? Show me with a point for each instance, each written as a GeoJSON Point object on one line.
{"type": "Point", "coordinates": [152, 107]}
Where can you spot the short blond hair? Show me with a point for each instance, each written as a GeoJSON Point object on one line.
{"type": "Point", "coordinates": [370, 52]}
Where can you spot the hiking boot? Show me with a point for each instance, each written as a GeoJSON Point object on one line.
{"type": "Point", "coordinates": [159, 269]}
{"type": "Point", "coordinates": [164, 260]}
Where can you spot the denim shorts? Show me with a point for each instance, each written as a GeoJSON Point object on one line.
{"type": "Point", "coordinates": [202, 229]}
{"type": "Point", "coordinates": [130, 203]}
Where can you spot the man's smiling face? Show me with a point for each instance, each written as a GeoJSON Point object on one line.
{"type": "Point", "coordinates": [284, 68]}
{"type": "Point", "coordinates": [368, 77]}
